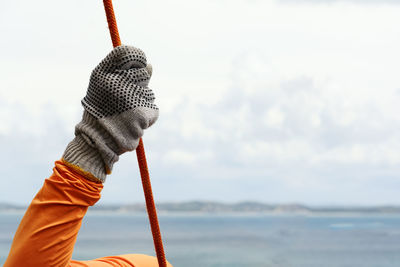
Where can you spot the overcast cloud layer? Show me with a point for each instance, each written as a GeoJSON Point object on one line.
{"type": "Point", "coordinates": [259, 100]}
{"type": "Point", "coordinates": [323, 2]}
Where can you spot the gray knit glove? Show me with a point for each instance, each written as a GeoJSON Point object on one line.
{"type": "Point", "coordinates": [118, 107]}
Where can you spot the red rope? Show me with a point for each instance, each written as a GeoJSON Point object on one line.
{"type": "Point", "coordinates": [112, 23]}
{"type": "Point", "coordinates": [141, 156]}
{"type": "Point", "coordinates": [151, 208]}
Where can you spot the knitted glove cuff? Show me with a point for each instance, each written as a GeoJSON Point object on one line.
{"type": "Point", "coordinates": [99, 137]}
{"type": "Point", "coordinates": [93, 150]}
{"type": "Point", "coordinates": [85, 159]}
{"type": "Point", "coordinates": [99, 142]}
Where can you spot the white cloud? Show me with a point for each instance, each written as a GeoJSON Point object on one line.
{"type": "Point", "coordinates": [179, 157]}
{"type": "Point", "coordinates": [361, 2]}
{"type": "Point", "coordinates": [274, 118]}
{"type": "Point", "coordinates": [287, 103]}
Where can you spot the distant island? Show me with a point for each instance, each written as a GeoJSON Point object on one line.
{"type": "Point", "coordinates": [202, 207]}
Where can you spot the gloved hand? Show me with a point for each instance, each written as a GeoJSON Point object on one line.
{"type": "Point", "coordinates": [118, 107]}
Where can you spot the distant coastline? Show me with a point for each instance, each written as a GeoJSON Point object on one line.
{"type": "Point", "coordinates": [204, 207]}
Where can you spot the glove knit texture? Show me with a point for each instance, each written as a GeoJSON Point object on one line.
{"type": "Point", "coordinates": [118, 107]}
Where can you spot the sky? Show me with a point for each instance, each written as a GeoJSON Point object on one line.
{"type": "Point", "coordinates": [278, 101]}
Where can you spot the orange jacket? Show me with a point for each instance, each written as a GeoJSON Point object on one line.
{"type": "Point", "coordinates": [48, 230]}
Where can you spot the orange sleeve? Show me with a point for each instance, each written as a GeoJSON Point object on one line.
{"type": "Point", "coordinates": [47, 233]}
{"type": "Point", "coordinates": [128, 260]}
{"type": "Point", "coordinates": [48, 230]}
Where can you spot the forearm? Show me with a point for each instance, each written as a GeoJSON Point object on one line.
{"type": "Point", "coordinates": [119, 106]}
{"type": "Point", "coordinates": [48, 230]}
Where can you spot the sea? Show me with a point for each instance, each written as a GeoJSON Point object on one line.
{"type": "Point", "coordinates": [222, 240]}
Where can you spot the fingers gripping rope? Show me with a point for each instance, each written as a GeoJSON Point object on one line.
{"type": "Point", "coordinates": [144, 171]}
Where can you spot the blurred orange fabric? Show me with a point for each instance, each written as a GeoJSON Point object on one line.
{"type": "Point", "coordinates": [47, 233]}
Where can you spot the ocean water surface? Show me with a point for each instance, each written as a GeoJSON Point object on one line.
{"type": "Point", "coordinates": [238, 240]}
